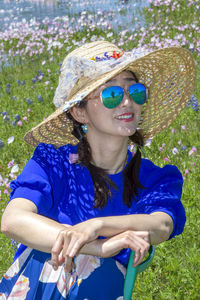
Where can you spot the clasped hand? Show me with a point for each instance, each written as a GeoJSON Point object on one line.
{"type": "Point", "coordinates": [70, 242]}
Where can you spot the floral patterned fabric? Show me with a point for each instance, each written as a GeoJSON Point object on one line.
{"type": "Point", "coordinates": [32, 276]}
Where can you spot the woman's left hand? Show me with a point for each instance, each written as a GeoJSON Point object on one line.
{"type": "Point", "coordinates": [138, 241]}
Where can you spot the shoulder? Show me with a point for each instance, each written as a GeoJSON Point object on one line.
{"type": "Point", "coordinates": [150, 174]}
{"type": "Point", "coordinates": [48, 155]}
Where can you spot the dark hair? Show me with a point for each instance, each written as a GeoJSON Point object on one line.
{"type": "Point", "coordinates": [99, 176]}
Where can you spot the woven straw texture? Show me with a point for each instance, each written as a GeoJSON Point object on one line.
{"type": "Point", "coordinates": [168, 74]}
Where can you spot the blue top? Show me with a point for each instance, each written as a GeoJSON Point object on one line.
{"type": "Point", "coordinates": [64, 192]}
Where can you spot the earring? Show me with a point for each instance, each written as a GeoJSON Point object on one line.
{"type": "Point", "coordinates": [84, 127]}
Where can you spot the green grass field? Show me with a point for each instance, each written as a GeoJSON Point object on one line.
{"type": "Point", "coordinates": [175, 271]}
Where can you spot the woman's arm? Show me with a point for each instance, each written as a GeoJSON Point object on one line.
{"type": "Point", "coordinates": [158, 224]}
{"type": "Point", "coordinates": [21, 222]}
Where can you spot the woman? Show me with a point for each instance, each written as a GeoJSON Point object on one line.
{"type": "Point", "coordinates": [79, 209]}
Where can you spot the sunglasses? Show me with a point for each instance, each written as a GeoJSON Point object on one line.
{"type": "Point", "coordinates": [112, 96]}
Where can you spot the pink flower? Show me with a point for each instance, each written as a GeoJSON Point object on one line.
{"type": "Point", "coordinates": [48, 70]}
{"type": "Point", "coordinates": [6, 191]}
{"type": "Point", "coordinates": [173, 130]}
{"type": "Point", "coordinates": [47, 82]}
{"type": "Point", "coordinates": [167, 159]}
{"type": "Point", "coordinates": [183, 127]}
{"type": "Point", "coordinates": [186, 171]}
{"type": "Point", "coordinates": [28, 110]}
{"type": "Point", "coordinates": [11, 164]}
{"type": "Point", "coordinates": [179, 142]}
{"type": "Point", "coordinates": [25, 118]}
{"type": "Point", "coordinates": [194, 149]}
{"type": "Point", "coordinates": [73, 158]}
{"type": "Point", "coordinates": [163, 145]}
{"type": "Point", "coordinates": [19, 123]}
{"type": "Point", "coordinates": [161, 149]}
{"type": "Point", "coordinates": [44, 62]}
{"type": "Point", "coordinates": [194, 165]}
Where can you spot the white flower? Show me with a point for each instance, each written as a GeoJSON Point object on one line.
{"type": "Point", "coordinates": [10, 139]}
{"type": "Point", "coordinates": [15, 169]}
{"type": "Point", "coordinates": [174, 151]}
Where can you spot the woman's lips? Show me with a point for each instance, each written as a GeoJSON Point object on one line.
{"type": "Point", "coordinates": [127, 117]}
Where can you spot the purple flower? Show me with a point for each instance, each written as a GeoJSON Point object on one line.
{"type": "Point", "coordinates": [183, 148]}
{"type": "Point", "coordinates": [40, 99]}
{"type": "Point", "coordinates": [17, 117]}
{"type": "Point", "coordinates": [183, 127]}
{"type": "Point", "coordinates": [28, 101]}
{"type": "Point", "coordinates": [173, 130]}
{"type": "Point", "coordinates": [19, 123]}
{"type": "Point", "coordinates": [1, 144]}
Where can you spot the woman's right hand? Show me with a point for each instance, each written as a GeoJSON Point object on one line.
{"type": "Point", "coordinates": [138, 241]}
{"type": "Point", "coordinates": [70, 240]}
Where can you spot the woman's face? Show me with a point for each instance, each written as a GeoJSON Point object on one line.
{"type": "Point", "coordinates": [102, 120]}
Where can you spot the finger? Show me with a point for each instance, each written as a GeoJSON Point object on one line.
{"type": "Point", "coordinates": [55, 251]}
{"type": "Point", "coordinates": [61, 258]}
{"type": "Point", "coordinates": [142, 248]}
{"type": "Point", "coordinates": [76, 242]}
{"type": "Point", "coordinates": [68, 264]}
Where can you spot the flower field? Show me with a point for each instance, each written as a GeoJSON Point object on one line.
{"type": "Point", "coordinates": [31, 54]}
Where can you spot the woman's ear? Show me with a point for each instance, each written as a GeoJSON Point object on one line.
{"type": "Point", "coordinates": [78, 114]}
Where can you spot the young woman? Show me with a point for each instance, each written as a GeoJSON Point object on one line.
{"type": "Point", "coordinates": [77, 210]}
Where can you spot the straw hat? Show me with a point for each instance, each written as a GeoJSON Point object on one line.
{"type": "Point", "coordinates": [168, 74]}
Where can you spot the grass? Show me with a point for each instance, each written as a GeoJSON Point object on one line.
{"type": "Point", "coordinates": [174, 273]}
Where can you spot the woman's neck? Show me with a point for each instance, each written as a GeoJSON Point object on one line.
{"type": "Point", "coordinates": [110, 154]}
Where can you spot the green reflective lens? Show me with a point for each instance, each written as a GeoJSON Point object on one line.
{"type": "Point", "coordinates": [112, 96]}
{"type": "Point", "coordinates": [137, 92]}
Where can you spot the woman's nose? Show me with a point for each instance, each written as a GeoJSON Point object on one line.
{"type": "Point", "coordinates": [126, 101]}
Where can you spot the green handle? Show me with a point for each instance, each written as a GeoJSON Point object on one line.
{"type": "Point", "coordinates": [131, 273]}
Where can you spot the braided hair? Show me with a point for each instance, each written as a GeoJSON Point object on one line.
{"type": "Point", "coordinates": [99, 175]}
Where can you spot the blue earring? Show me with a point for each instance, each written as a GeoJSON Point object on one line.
{"type": "Point", "coordinates": [84, 127]}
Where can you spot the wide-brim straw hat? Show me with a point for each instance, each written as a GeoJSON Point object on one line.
{"type": "Point", "coordinates": [168, 74]}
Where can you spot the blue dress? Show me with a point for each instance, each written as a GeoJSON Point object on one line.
{"type": "Point", "coordinates": [63, 191]}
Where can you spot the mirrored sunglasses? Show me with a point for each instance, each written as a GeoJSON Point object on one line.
{"type": "Point", "coordinates": [112, 96]}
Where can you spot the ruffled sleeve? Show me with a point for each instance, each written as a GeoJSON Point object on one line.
{"type": "Point", "coordinates": [163, 193]}
{"type": "Point", "coordinates": [38, 178]}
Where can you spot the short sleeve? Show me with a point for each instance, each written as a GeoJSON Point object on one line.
{"type": "Point", "coordinates": [38, 178]}
{"type": "Point", "coordinates": [163, 193]}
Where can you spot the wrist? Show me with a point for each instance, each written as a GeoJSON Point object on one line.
{"type": "Point", "coordinates": [97, 224]}
{"type": "Point", "coordinates": [92, 248]}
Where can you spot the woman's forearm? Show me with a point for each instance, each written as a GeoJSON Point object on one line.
{"type": "Point", "coordinates": [158, 224]}
{"type": "Point", "coordinates": [38, 232]}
